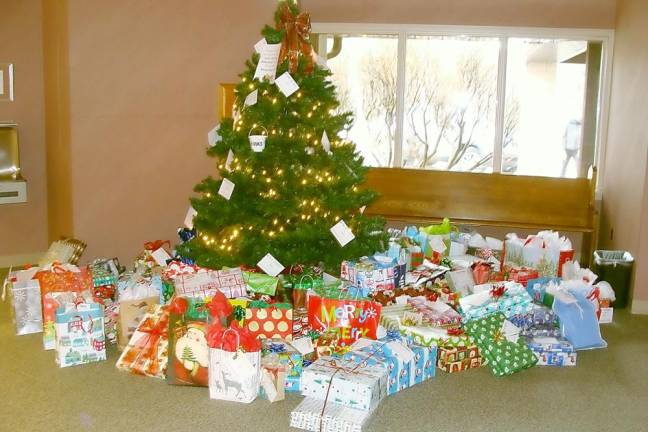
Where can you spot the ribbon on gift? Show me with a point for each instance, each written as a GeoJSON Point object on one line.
{"type": "Point", "coordinates": [57, 267]}
{"type": "Point", "coordinates": [144, 353]}
{"type": "Point", "coordinates": [176, 268]}
{"type": "Point", "coordinates": [232, 338]}
{"type": "Point", "coordinates": [156, 244]}
{"type": "Point", "coordinates": [354, 370]}
{"type": "Point", "coordinates": [276, 348]}
{"type": "Point", "coordinates": [296, 42]}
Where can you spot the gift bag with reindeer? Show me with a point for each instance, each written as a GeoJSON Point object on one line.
{"type": "Point", "coordinates": [234, 363]}
{"type": "Point", "coordinates": [188, 350]}
{"type": "Point", "coordinates": [80, 334]}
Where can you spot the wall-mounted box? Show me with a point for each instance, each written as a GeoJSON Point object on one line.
{"type": "Point", "coordinates": [12, 192]}
{"type": "Point", "coordinates": [6, 82]}
{"type": "Point", "coordinates": [13, 188]}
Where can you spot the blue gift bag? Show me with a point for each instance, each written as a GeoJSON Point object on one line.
{"type": "Point", "coordinates": [578, 321]}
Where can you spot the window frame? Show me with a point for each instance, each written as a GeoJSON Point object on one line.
{"type": "Point", "coordinates": [403, 31]}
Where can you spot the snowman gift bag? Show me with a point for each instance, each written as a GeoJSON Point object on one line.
{"type": "Point", "coordinates": [80, 334]}
{"type": "Point", "coordinates": [234, 363]}
{"type": "Point", "coordinates": [188, 350]}
{"type": "Point", "coordinates": [26, 299]}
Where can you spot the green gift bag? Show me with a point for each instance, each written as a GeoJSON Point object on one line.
{"type": "Point", "coordinates": [504, 356]}
{"type": "Point", "coordinates": [260, 283]}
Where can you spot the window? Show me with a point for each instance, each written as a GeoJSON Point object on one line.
{"type": "Point", "coordinates": [526, 102]}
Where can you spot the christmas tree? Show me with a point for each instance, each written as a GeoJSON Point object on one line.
{"type": "Point", "coordinates": [286, 175]}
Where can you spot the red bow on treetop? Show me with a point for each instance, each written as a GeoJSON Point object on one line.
{"type": "Point", "coordinates": [296, 39]}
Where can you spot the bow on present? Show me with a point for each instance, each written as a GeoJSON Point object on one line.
{"type": "Point", "coordinates": [143, 356]}
{"type": "Point", "coordinates": [296, 28]}
{"type": "Point", "coordinates": [232, 339]}
{"type": "Point", "coordinates": [276, 348]}
{"type": "Point", "coordinates": [157, 244]}
{"type": "Point", "coordinates": [497, 291]}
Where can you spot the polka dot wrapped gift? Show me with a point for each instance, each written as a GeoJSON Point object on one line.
{"type": "Point", "coordinates": [269, 321]}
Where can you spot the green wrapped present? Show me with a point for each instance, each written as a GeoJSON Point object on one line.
{"type": "Point", "coordinates": [506, 352]}
{"type": "Point", "coordinates": [260, 283]}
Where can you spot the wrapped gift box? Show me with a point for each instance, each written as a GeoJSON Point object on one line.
{"type": "Point", "coordinates": [283, 353]}
{"type": "Point", "coordinates": [462, 365]}
{"type": "Point", "coordinates": [504, 356]}
{"type": "Point", "coordinates": [147, 350]}
{"type": "Point", "coordinates": [374, 274]}
{"type": "Point", "coordinates": [352, 384]}
{"type": "Point", "coordinates": [205, 282]}
{"type": "Point", "coordinates": [538, 320]}
{"type": "Point", "coordinates": [392, 319]}
{"type": "Point", "coordinates": [435, 313]}
{"type": "Point", "coordinates": [398, 367]}
{"type": "Point", "coordinates": [457, 359]}
{"type": "Point", "coordinates": [511, 299]}
{"type": "Point", "coordinates": [80, 334]}
{"type": "Point", "coordinates": [552, 351]}
{"type": "Point", "coordinates": [318, 416]}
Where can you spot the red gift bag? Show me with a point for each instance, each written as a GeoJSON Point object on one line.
{"type": "Point", "coordinates": [349, 320]}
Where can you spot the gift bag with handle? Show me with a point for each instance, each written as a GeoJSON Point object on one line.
{"type": "Point", "coordinates": [234, 364]}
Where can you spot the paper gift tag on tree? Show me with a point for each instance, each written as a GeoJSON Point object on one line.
{"type": "Point", "coordinates": [342, 233]}
{"type": "Point", "coordinates": [268, 58]}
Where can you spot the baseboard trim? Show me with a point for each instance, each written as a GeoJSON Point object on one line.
{"type": "Point", "coordinates": [20, 260]}
{"type": "Point", "coordinates": [640, 307]}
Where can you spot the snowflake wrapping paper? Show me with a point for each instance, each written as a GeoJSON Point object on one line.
{"type": "Point", "coordinates": [504, 357]}
{"type": "Point", "coordinates": [27, 307]}
{"type": "Point", "coordinates": [337, 381]}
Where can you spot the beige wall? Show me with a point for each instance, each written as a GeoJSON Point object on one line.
{"type": "Point", "coordinates": [132, 87]}
{"type": "Point", "coordinates": [516, 13]}
{"type": "Point", "coordinates": [624, 196]}
{"type": "Point", "coordinates": [143, 91]}
{"type": "Point", "coordinates": [143, 80]}
{"type": "Point", "coordinates": [23, 227]}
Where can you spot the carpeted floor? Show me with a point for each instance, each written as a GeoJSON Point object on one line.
{"type": "Point", "coordinates": [606, 391]}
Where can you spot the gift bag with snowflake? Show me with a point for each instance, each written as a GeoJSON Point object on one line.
{"type": "Point", "coordinates": [27, 308]}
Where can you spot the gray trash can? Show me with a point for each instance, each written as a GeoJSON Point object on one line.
{"type": "Point", "coordinates": [615, 267]}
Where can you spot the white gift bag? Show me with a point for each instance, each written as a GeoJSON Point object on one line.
{"type": "Point", "coordinates": [234, 376]}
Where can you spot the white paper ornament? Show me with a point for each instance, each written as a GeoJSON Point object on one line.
{"type": "Point", "coordinates": [258, 142]}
